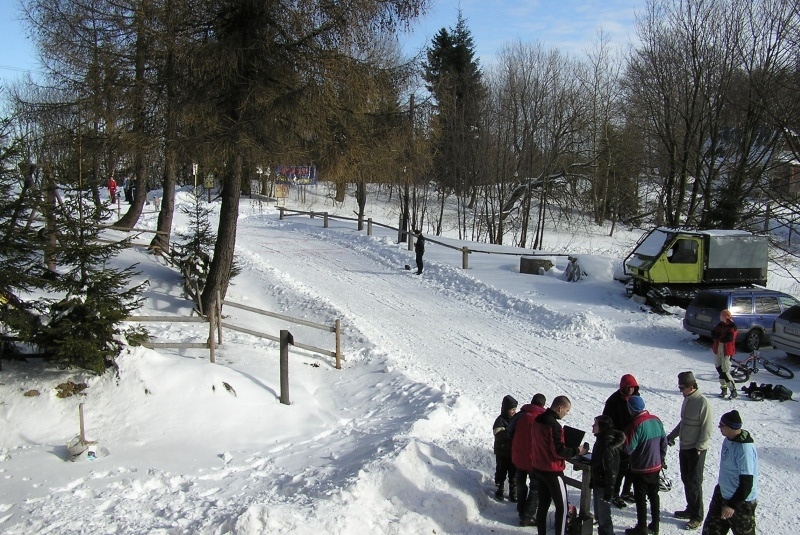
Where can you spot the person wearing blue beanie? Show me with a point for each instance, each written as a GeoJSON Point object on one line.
{"type": "Point", "coordinates": [636, 404]}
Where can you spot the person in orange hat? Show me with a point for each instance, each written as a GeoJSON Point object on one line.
{"type": "Point", "coordinates": [724, 347]}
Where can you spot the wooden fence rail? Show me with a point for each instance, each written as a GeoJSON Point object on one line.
{"type": "Point", "coordinates": [465, 251]}
{"type": "Point", "coordinates": [217, 325]}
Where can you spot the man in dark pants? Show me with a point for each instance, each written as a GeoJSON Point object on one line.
{"type": "Point", "coordinates": [520, 430]}
{"type": "Point", "coordinates": [419, 248]}
{"type": "Point", "coordinates": [646, 444]}
{"type": "Point", "coordinates": [549, 460]}
{"type": "Point", "coordinates": [694, 435]}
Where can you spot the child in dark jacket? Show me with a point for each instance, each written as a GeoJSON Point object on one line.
{"type": "Point", "coordinates": [502, 451]}
{"type": "Point", "coordinates": [605, 466]}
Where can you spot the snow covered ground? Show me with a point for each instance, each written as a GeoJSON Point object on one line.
{"type": "Point", "coordinates": [399, 440]}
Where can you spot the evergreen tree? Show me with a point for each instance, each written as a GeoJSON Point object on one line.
{"type": "Point", "coordinates": [80, 328]}
{"type": "Point", "coordinates": [455, 80]}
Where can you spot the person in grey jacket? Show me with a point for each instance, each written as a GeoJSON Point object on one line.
{"type": "Point", "coordinates": [694, 433]}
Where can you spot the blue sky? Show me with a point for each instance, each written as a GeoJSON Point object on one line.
{"type": "Point", "coordinates": [570, 25]}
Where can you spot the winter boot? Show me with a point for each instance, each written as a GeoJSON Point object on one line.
{"type": "Point", "coordinates": [734, 392]}
{"type": "Point", "coordinates": [723, 392]}
{"type": "Point", "coordinates": [499, 492]}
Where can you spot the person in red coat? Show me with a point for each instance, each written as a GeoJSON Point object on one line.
{"type": "Point", "coordinates": [521, 455]}
{"type": "Point", "coordinates": [724, 347]}
{"type": "Point", "coordinates": [550, 456]}
{"type": "Point", "coordinates": [112, 189]}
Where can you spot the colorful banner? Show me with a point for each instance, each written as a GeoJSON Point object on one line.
{"type": "Point", "coordinates": [296, 174]}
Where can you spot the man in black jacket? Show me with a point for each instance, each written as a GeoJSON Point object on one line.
{"type": "Point", "coordinates": [419, 249]}
{"type": "Point", "coordinates": [617, 409]}
{"type": "Point", "coordinates": [605, 465]}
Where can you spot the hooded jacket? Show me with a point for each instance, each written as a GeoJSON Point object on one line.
{"type": "Point", "coordinates": [738, 470]}
{"type": "Point", "coordinates": [522, 438]}
{"type": "Point", "coordinates": [616, 406]}
{"type": "Point", "coordinates": [502, 440]}
{"type": "Point", "coordinates": [605, 461]}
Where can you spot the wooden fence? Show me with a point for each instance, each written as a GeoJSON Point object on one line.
{"type": "Point", "coordinates": [215, 326]}
{"type": "Point", "coordinates": [465, 251]}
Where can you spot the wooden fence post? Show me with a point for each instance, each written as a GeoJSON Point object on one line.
{"type": "Point", "coordinates": [286, 339]}
{"type": "Point", "coordinates": [325, 220]}
{"type": "Point", "coordinates": [280, 211]}
{"type": "Point", "coordinates": [410, 241]}
{"type": "Point", "coordinates": [338, 331]}
{"type": "Point", "coordinates": [465, 257]}
{"type": "Point", "coordinates": [369, 226]}
{"type": "Point", "coordinates": [218, 310]}
{"type": "Point", "coordinates": [211, 356]}
{"type": "Point", "coordinates": [311, 214]}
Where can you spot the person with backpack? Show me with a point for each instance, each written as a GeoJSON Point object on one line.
{"type": "Point", "coordinates": [733, 504]}
{"type": "Point", "coordinates": [724, 347]}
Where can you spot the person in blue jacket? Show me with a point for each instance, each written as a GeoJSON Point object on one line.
{"type": "Point", "coordinates": [733, 504]}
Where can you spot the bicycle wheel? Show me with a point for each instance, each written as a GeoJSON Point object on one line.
{"type": "Point", "coordinates": [739, 372]}
{"type": "Point", "coordinates": [777, 369]}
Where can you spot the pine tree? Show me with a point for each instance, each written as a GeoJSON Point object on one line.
{"type": "Point", "coordinates": [81, 328]}
{"type": "Point", "coordinates": [455, 80]}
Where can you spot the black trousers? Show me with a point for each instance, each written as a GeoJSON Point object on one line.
{"type": "Point", "coordinates": [645, 488]}
{"type": "Point", "coordinates": [419, 263]}
{"type": "Point", "coordinates": [527, 494]}
{"type": "Point", "coordinates": [692, 464]}
{"type": "Point", "coordinates": [552, 488]}
{"type": "Point", "coordinates": [505, 468]}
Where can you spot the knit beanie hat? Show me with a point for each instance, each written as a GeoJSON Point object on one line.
{"type": "Point", "coordinates": [628, 381]}
{"type": "Point", "coordinates": [509, 403]}
{"type": "Point", "coordinates": [732, 419]}
{"type": "Point", "coordinates": [687, 379]}
{"type": "Point", "coordinates": [636, 404]}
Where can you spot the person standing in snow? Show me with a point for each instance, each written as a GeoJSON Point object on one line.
{"type": "Point", "coordinates": [419, 249]}
{"type": "Point", "coordinates": [724, 347]}
{"type": "Point", "coordinates": [605, 464]}
{"type": "Point", "coordinates": [694, 434]}
{"type": "Point", "coordinates": [646, 444]}
{"type": "Point", "coordinates": [504, 467]}
{"type": "Point", "coordinates": [549, 460]}
{"type": "Point", "coordinates": [616, 408]}
{"type": "Point", "coordinates": [112, 190]}
{"type": "Point", "coordinates": [521, 455]}
{"type": "Point", "coordinates": [733, 504]}
{"type": "Point", "coordinates": [127, 188]}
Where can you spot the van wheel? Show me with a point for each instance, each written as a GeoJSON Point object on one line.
{"type": "Point", "coordinates": [752, 340]}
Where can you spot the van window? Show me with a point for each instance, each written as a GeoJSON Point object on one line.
{"type": "Point", "coordinates": [741, 305]}
{"type": "Point", "coordinates": [767, 305]}
{"type": "Point", "coordinates": [787, 302]}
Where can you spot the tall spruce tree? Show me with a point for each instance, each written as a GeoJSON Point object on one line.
{"type": "Point", "coordinates": [455, 81]}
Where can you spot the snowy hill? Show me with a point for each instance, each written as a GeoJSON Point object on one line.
{"type": "Point", "coordinates": [399, 440]}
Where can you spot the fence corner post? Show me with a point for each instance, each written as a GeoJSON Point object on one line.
{"type": "Point", "coordinates": [410, 241]}
{"type": "Point", "coordinates": [338, 330]}
{"type": "Point", "coordinates": [465, 257]}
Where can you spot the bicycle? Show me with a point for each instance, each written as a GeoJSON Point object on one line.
{"type": "Point", "coordinates": [741, 371]}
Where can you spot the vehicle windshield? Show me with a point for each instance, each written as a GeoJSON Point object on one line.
{"type": "Point", "coordinates": [653, 244]}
